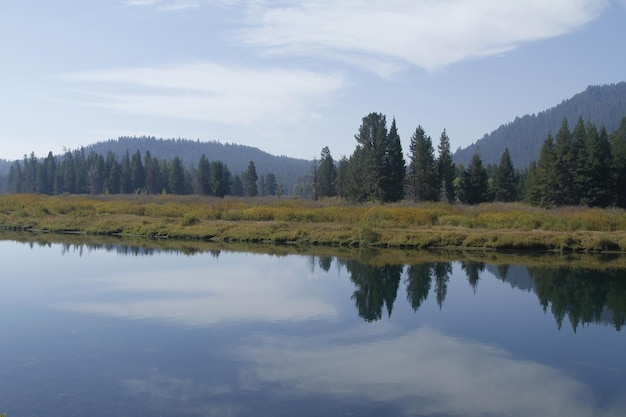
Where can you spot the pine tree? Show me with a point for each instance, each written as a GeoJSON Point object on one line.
{"type": "Point", "coordinates": [474, 184]}
{"type": "Point", "coordinates": [220, 179]}
{"type": "Point", "coordinates": [271, 184]}
{"type": "Point", "coordinates": [342, 172]}
{"type": "Point", "coordinates": [326, 174]}
{"type": "Point", "coordinates": [137, 173]}
{"type": "Point", "coordinates": [423, 176]}
{"type": "Point", "coordinates": [113, 174]}
{"type": "Point", "coordinates": [618, 164]}
{"type": "Point", "coordinates": [504, 182]}
{"type": "Point", "coordinates": [367, 182]}
{"type": "Point", "coordinates": [394, 167]}
{"type": "Point", "coordinates": [249, 179]}
{"type": "Point", "coordinates": [446, 170]}
{"type": "Point", "coordinates": [126, 182]}
{"type": "Point", "coordinates": [564, 161]}
{"type": "Point", "coordinates": [154, 176]}
{"type": "Point", "coordinates": [547, 189]}
{"type": "Point", "coordinates": [237, 187]}
{"type": "Point", "coordinates": [176, 176]}
{"type": "Point", "coordinates": [203, 176]}
{"type": "Point", "coordinates": [48, 174]}
{"type": "Point", "coordinates": [595, 173]}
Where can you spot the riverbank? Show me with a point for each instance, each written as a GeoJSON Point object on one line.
{"type": "Point", "coordinates": [494, 226]}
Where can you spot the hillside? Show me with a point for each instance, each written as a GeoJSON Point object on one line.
{"type": "Point", "coordinates": [601, 105]}
{"type": "Point", "coordinates": [288, 171]}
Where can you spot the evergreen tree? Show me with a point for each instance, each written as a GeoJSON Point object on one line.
{"type": "Point", "coordinates": [326, 174]}
{"type": "Point", "coordinates": [547, 189]}
{"type": "Point", "coordinates": [423, 176]}
{"type": "Point", "coordinates": [113, 174]}
{"type": "Point", "coordinates": [474, 183]}
{"type": "Point", "coordinates": [530, 192]}
{"type": "Point", "coordinates": [68, 173]}
{"type": "Point", "coordinates": [342, 172]}
{"type": "Point", "coordinates": [237, 187]}
{"type": "Point", "coordinates": [126, 182]}
{"type": "Point", "coordinates": [95, 173]}
{"type": "Point", "coordinates": [249, 179]}
{"type": "Point", "coordinates": [356, 187]}
{"type": "Point", "coordinates": [595, 173]}
{"type": "Point", "coordinates": [137, 173]}
{"type": "Point", "coordinates": [203, 176]}
{"type": "Point", "coordinates": [446, 170]}
{"type": "Point", "coordinates": [271, 184]}
{"type": "Point", "coordinates": [394, 167]}
{"type": "Point", "coordinates": [618, 164]}
{"type": "Point", "coordinates": [14, 178]}
{"type": "Point", "coordinates": [504, 183]}
{"type": "Point", "coordinates": [176, 177]}
{"type": "Point", "coordinates": [220, 179]}
{"type": "Point", "coordinates": [154, 176]}
{"type": "Point", "coordinates": [564, 155]}
{"type": "Point", "coordinates": [367, 180]}
{"type": "Point", "coordinates": [48, 173]}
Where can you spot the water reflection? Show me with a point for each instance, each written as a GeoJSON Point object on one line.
{"type": "Point", "coordinates": [582, 295]}
{"type": "Point", "coordinates": [423, 372]}
{"type": "Point", "coordinates": [585, 296]}
{"type": "Point", "coordinates": [235, 333]}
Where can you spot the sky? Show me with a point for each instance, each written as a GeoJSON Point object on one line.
{"type": "Point", "coordinates": [291, 77]}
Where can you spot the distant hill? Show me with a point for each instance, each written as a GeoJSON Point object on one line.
{"type": "Point", "coordinates": [601, 105]}
{"type": "Point", "coordinates": [288, 171]}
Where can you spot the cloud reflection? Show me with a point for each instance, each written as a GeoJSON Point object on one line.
{"type": "Point", "coordinates": [201, 297]}
{"type": "Point", "coordinates": [428, 372]}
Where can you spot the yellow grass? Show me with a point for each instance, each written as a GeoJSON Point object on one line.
{"type": "Point", "coordinates": [405, 225]}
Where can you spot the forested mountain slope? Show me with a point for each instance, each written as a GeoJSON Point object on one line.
{"type": "Point", "coordinates": [288, 171]}
{"type": "Point", "coordinates": [601, 105]}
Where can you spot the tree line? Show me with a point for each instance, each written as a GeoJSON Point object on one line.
{"type": "Point", "coordinates": [77, 173]}
{"type": "Point", "coordinates": [583, 166]}
{"type": "Point", "coordinates": [586, 166]}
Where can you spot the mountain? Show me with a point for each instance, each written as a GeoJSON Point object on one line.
{"type": "Point", "coordinates": [601, 105]}
{"type": "Point", "coordinates": [288, 171]}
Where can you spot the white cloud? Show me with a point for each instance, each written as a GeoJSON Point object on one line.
{"type": "Point", "coordinates": [427, 34]}
{"type": "Point", "coordinates": [224, 94]}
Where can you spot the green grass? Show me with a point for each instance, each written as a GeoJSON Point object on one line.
{"type": "Point", "coordinates": [332, 222]}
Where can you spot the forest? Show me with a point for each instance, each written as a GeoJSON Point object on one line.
{"type": "Point", "coordinates": [602, 105]}
{"type": "Point", "coordinates": [585, 165]}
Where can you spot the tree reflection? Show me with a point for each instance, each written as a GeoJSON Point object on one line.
{"type": "Point", "coordinates": [584, 296]}
{"type": "Point", "coordinates": [442, 271]}
{"type": "Point", "coordinates": [375, 287]}
{"type": "Point", "coordinates": [418, 281]}
{"type": "Point", "coordinates": [473, 271]}
{"type": "Point", "coordinates": [325, 262]}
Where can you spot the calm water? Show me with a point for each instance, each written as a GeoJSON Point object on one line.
{"type": "Point", "coordinates": [129, 332]}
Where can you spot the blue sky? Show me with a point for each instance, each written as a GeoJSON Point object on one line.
{"type": "Point", "coordinates": [291, 77]}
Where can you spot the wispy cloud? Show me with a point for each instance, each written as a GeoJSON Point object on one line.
{"type": "Point", "coordinates": [426, 34]}
{"type": "Point", "coordinates": [208, 91]}
{"type": "Point", "coordinates": [172, 5]}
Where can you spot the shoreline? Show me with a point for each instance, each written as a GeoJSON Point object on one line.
{"type": "Point", "coordinates": [496, 226]}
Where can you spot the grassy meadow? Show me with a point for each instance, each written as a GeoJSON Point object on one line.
{"type": "Point", "coordinates": [497, 226]}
